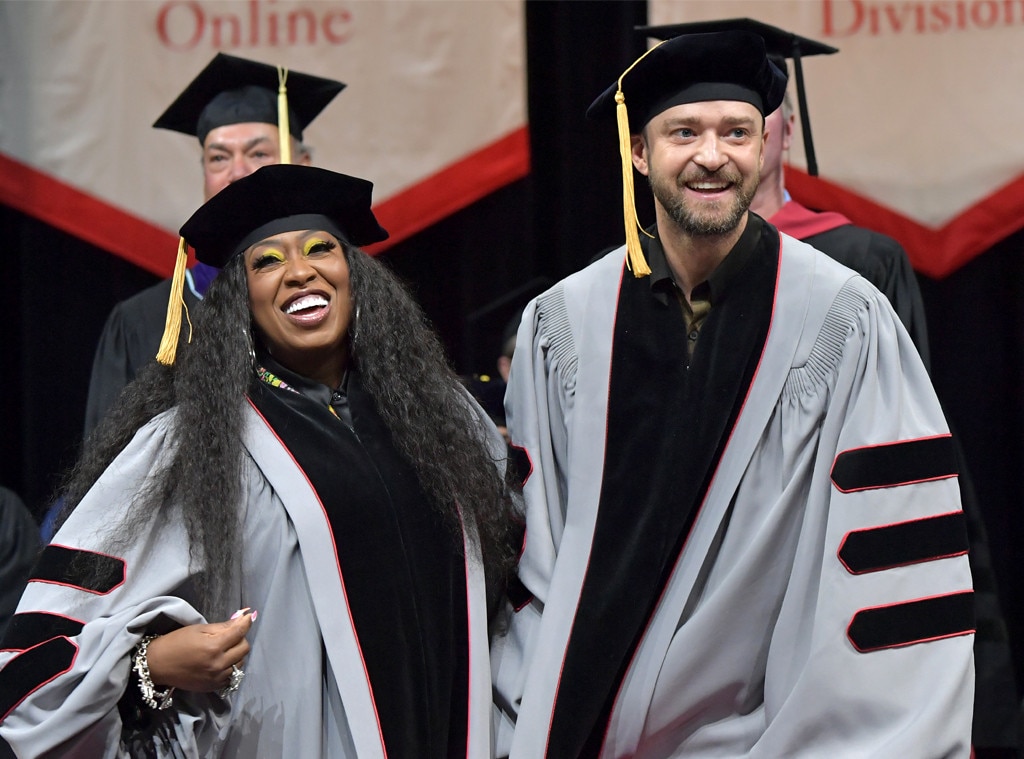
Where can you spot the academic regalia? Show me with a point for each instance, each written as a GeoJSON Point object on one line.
{"type": "Point", "coordinates": [372, 640]}
{"type": "Point", "coordinates": [19, 545]}
{"type": "Point", "coordinates": [878, 258]}
{"type": "Point", "coordinates": [760, 555]}
{"type": "Point", "coordinates": [129, 341]}
{"type": "Point", "coordinates": [780, 45]}
{"type": "Point", "coordinates": [309, 688]}
{"type": "Point", "coordinates": [884, 263]}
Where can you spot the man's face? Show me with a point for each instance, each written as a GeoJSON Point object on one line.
{"type": "Point", "coordinates": [237, 150]}
{"type": "Point", "coordinates": [703, 161]}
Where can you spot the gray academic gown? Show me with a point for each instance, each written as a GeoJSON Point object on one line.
{"type": "Point", "coordinates": [773, 633]}
{"type": "Point", "coordinates": [305, 692]}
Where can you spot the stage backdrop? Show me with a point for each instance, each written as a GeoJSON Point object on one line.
{"type": "Point", "coordinates": [434, 112]}
{"type": "Point", "coordinates": [913, 120]}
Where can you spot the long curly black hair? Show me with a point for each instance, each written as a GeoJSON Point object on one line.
{"type": "Point", "coordinates": [402, 366]}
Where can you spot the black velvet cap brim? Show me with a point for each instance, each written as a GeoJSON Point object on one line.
{"type": "Point", "coordinates": [280, 191]}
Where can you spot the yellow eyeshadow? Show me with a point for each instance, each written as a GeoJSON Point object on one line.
{"type": "Point", "coordinates": [312, 243]}
{"type": "Point", "coordinates": [270, 253]}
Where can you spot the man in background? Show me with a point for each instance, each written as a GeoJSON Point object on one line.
{"type": "Point", "coordinates": [878, 258]}
{"type": "Point", "coordinates": [231, 107]}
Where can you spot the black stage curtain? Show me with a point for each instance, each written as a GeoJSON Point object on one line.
{"type": "Point", "coordinates": [57, 290]}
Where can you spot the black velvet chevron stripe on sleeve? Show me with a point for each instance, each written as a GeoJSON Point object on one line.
{"type": "Point", "coordinates": [33, 668]}
{"type": "Point", "coordinates": [919, 621]}
{"type": "Point", "coordinates": [32, 628]}
{"type": "Point", "coordinates": [892, 464]}
{"type": "Point", "coordinates": [77, 568]}
{"type": "Point", "coordinates": [910, 542]}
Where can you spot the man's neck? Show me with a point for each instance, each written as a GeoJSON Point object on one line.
{"type": "Point", "coordinates": [692, 258]}
{"type": "Point", "coordinates": [769, 199]}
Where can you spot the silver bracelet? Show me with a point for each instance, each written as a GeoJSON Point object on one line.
{"type": "Point", "coordinates": [141, 666]}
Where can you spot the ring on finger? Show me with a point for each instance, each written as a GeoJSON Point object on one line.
{"type": "Point", "coordinates": [237, 675]}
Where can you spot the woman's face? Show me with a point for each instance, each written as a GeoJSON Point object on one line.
{"type": "Point", "coordinates": [300, 300]}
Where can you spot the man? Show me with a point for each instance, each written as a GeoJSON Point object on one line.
{"type": "Point", "coordinates": [878, 258]}
{"type": "Point", "coordinates": [743, 525]}
{"type": "Point", "coordinates": [231, 107]}
{"type": "Point", "coordinates": [883, 262]}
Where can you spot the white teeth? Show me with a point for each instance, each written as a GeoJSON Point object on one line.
{"type": "Point", "coordinates": [310, 301]}
{"type": "Point", "coordinates": [707, 186]}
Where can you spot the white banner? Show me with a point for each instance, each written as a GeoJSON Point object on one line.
{"type": "Point", "coordinates": [913, 120]}
{"type": "Point", "coordinates": [434, 112]}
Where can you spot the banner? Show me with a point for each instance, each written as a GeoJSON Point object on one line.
{"type": "Point", "coordinates": [434, 112]}
{"type": "Point", "coordinates": [913, 120]}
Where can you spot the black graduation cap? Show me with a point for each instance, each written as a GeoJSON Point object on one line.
{"type": "Point", "coordinates": [691, 68]}
{"type": "Point", "coordinates": [780, 45]}
{"type": "Point", "coordinates": [232, 90]}
{"type": "Point", "coordinates": [281, 198]}
{"type": "Point", "coordinates": [729, 65]}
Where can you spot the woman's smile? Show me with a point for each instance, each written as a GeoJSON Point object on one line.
{"type": "Point", "coordinates": [308, 309]}
{"type": "Point", "coordinates": [300, 300]}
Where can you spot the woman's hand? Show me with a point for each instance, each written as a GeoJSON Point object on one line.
{"type": "Point", "coordinates": [200, 657]}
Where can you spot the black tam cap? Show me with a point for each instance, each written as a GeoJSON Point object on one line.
{"type": "Point", "coordinates": [692, 68]}
{"type": "Point", "coordinates": [232, 90]}
{"type": "Point", "coordinates": [281, 198]}
{"type": "Point", "coordinates": [780, 45]}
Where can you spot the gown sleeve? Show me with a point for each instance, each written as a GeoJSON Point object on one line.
{"type": "Point", "coordinates": [538, 405]}
{"type": "Point", "coordinates": [871, 654]}
{"type": "Point", "coordinates": [65, 661]}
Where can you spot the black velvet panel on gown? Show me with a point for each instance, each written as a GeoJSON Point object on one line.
{"type": "Point", "coordinates": [403, 568]}
{"type": "Point", "coordinates": [667, 426]}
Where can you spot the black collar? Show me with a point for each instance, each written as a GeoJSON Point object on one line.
{"type": "Point", "coordinates": [320, 394]}
{"type": "Point", "coordinates": [715, 287]}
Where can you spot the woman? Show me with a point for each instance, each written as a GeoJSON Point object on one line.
{"type": "Point", "coordinates": [311, 458]}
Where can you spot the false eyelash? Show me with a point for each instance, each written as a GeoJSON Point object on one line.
{"type": "Point", "coordinates": [324, 245]}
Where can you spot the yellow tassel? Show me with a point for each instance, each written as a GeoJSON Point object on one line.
{"type": "Point", "coordinates": [637, 262]}
{"type": "Point", "coordinates": [283, 128]}
{"type": "Point", "coordinates": [172, 324]}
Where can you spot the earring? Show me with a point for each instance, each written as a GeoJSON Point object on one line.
{"type": "Point", "coordinates": [353, 332]}
{"type": "Point", "coordinates": [250, 346]}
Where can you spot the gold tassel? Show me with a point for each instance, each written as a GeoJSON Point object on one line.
{"type": "Point", "coordinates": [283, 128]}
{"type": "Point", "coordinates": [172, 324]}
{"type": "Point", "coordinates": [637, 262]}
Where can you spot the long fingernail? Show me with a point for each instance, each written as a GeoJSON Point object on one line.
{"type": "Point", "coordinates": [239, 613]}
{"type": "Point", "coordinates": [254, 615]}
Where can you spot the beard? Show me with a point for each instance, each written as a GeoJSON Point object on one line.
{"type": "Point", "coordinates": [711, 219]}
